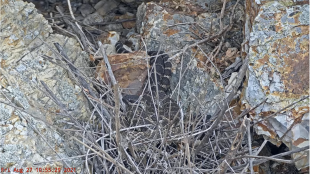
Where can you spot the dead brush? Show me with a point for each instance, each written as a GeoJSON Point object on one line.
{"type": "Point", "coordinates": [206, 144]}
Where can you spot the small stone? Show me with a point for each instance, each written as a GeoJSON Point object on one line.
{"type": "Point", "coordinates": [105, 6]}
{"type": "Point", "coordinates": [93, 18]}
{"type": "Point", "coordinates": [86, 9]}
{"type": "Point", "coordinates": [128, 24]}
{"type": "Point", "coordinates": [123, 9]}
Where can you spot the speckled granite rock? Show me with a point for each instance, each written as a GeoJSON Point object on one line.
{"type": "Point", "coordinates": [279, 71]}
{"type": "Point", "coordinates": [24, 37]}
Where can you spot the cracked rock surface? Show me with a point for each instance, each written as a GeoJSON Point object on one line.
{"type": "Point", "coordinates": [199, 90]}
{"type": "Point", "coordinates": [279, 71]}
{"type": "Point", "coordinates": [25, 109]}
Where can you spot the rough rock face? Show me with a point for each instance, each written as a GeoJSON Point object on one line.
{"type": "Point", "coordinates": [25, 107]}
{"type": "Point", "coordinates": [279, 71]}
{"type": "Point", "coordinates": [159, 26]}
{"type": "Point", "coordinates": [130, 70]}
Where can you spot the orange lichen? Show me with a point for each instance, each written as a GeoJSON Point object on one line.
{"type": "Point", "coordinates": [297, 74]}
{"type": "Point", "coordinates": [262, 61]}
{"type": "Point", "coordinates": [170, 32]}
{"type": "Point", "coordinates": [167, 17]}
{"type": "Point", "coordinates": [294, 67]}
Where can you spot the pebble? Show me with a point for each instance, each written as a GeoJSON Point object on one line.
{"type": "Point", "coordinates": [105, 6]}
{"type": "Point", "coordinates": [93, 18]}
{"type": "Point", "coordinates": [86, 9]}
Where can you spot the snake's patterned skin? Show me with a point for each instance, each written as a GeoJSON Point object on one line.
{"type": "Point", "coordinates": [155, 109]}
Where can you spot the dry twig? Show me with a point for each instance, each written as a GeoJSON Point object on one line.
{"type": "Point", "coordinates": [233, 149]}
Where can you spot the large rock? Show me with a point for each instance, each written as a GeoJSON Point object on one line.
{"type": "Point", "coordinates": [196, 83]}
{"type": "Point", "coordinates": [279, 71]}
{"type": "Point", "coordinates": [25, 108]}
{"type": "Point", "coordinates": [168, 30]}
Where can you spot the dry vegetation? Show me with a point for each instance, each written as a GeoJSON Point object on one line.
{"type": "Point", "coordinates": [221, 144]}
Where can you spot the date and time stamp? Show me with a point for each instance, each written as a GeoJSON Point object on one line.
{"type": "Point", "coordinates": [45, 170]}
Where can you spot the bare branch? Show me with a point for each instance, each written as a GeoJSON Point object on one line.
{"type": "Point", "coordinates": [233, 149]}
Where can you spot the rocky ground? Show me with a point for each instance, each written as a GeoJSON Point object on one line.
{"type": "Point", "coordinates": [240, 72]}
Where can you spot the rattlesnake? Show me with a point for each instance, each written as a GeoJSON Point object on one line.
{"type": "Point", "coordinates": [155, 108]}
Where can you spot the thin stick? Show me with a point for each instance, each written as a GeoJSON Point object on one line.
{"type": "Point", "coordinates": [70, 9]}
{"type": "Point", "coordinates": [248, 125]}
{"type": "Point", "coordinates": [117, 99]}
{"type": "Point", "coordinates": [110, 72]}
{"type": "Point", "coordinates": [228, 27]}
{"type": "Point", "coordinates": [233, 149]}
{"type": "Point", "coordinates": [67, 32]}
{"type": "Point", "coordinates": [276, 159]}
{"type": "Point", "coordinates": [274, 114]}
{"type": "Point", "coordinates": [117, 119]}
{"type": "Point", "coordinates": [248, 111]}
{"type": "Point", "coordinates": [221, 110]}
{"type": "Point", "coordinates": [60, 159]}
{"type": "Point", "coordinates": [278, 155]}
{"type": "Point", "coordinates": [106, 61]}
{"type": "Point", "coordinates": [105, 156]}
{"type": "Point", "coordinates": [77, 25]}
{"type": "Point", "coordinates": [257, 152]}
{"type": "Point", "coordinates": [296, 121]}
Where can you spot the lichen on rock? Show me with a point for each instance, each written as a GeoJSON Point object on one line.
{"type": "Point", "coordinates": [168, 31]}
{"type": "Point", "coordinates": [25, 107]}
{"type": "Point", "coordinates": [279, 71]}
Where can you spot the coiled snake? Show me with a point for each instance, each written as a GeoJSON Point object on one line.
{"type": "Point", "coordinates": [155, 108]}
